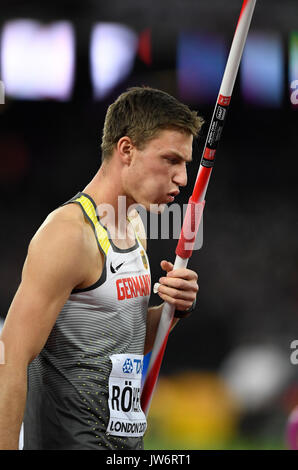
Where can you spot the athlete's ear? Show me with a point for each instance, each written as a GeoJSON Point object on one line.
{"type": "Point", "coordinates": [125, 149]}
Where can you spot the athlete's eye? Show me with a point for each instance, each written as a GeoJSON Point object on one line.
{"type": "Point", "coordinates": [172, 161]}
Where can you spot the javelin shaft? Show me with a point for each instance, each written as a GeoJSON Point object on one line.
{"type": "Point", "coordinates": [223, 100]}
{"type": "Point", "coordinates": [197, 200]}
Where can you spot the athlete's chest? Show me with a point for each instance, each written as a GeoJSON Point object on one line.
{"type": "Point", "coordinates": [127, 275]}
{"type": "Point", "coordinates": [125, 280]}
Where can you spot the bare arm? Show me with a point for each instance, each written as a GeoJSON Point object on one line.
{"type": "Point", "coordinates": [153, 318]}
{"type": "Point", "coordinates": [54, 265]}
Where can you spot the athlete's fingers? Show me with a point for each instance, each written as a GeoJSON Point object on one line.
{"type": "Point", "coordinates": [182, 278]}
{"type": "Point", "coordinates": [178, 283]}
{"type": "Point", "coordinates": [178, 294]}
{"type": "Point", "coordinates": [179, 304]}
{"type": "Point", "coordinates": [183, 273]}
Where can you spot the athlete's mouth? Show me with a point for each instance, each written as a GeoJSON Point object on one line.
{"type": "Point", "coordinates": [174, 193]}
{"type": "Point", "coordinates": [171, 196]}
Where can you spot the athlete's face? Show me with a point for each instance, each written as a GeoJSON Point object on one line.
{"type": "Point", "coordinates": [157, 171]}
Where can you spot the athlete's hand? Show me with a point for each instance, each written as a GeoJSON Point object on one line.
{"type": "Point", "coordinates": [179, 287]}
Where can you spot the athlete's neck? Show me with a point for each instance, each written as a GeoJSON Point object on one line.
{"type": "Point", "coordinates": [106, 191]}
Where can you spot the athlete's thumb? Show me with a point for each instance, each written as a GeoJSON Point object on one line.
{"type": "Point", "coordinates": [166, 265]}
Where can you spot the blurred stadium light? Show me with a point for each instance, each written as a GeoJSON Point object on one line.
{"type": "Point", "coordinates": [201, 61]}
{"type": "Point", "coordinates": [112, 54]}
{"type": "Point", "coordinates": [262, 70]}
{"type": "Point", "coordinates": [256, 374]}
{"type": "Point", "coordinates": [37, 60]}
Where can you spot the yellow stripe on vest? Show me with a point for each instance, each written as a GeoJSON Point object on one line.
{"type": "Point", "coordinates": [101, 233]}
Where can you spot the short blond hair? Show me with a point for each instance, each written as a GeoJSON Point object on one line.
{"type": "Point", "coordinates": [140, 113]}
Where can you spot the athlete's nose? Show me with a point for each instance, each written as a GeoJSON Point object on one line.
{"type": "Point", "coordinates": [180, 177]}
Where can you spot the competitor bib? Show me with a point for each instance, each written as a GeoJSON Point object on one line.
{"type": "Point", "coordinates": [126, 416]}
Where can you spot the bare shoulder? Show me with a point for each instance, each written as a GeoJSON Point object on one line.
{"type": "Point", "coordinates": [138, 225]}
{"type": "Point", "coordinates": [56, 262]}
{"type": "Point", "coordinates": [69, 213]}
{"type": "Point", "coordinates": [62, 238]}
{"type": "Point", "coordinates": [66, 222]}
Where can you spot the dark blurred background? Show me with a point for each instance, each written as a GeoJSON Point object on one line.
{"type": "Point", "coordinates": [62, 64]}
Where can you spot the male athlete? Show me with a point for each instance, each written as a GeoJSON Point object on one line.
{"type": "Point", "coordinates": [79, 324]}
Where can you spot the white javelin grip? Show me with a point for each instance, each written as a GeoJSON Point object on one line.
{"type": "Point", "coordinates": [167, 312]}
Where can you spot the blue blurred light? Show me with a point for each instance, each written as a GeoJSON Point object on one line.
{"type": "Point", "coordinates": [262, 70]}
{"type": "Point", "coordinates": [201, 61]}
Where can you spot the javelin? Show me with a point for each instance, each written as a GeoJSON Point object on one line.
{"type": "Point", "coordinates": [196, 202]}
